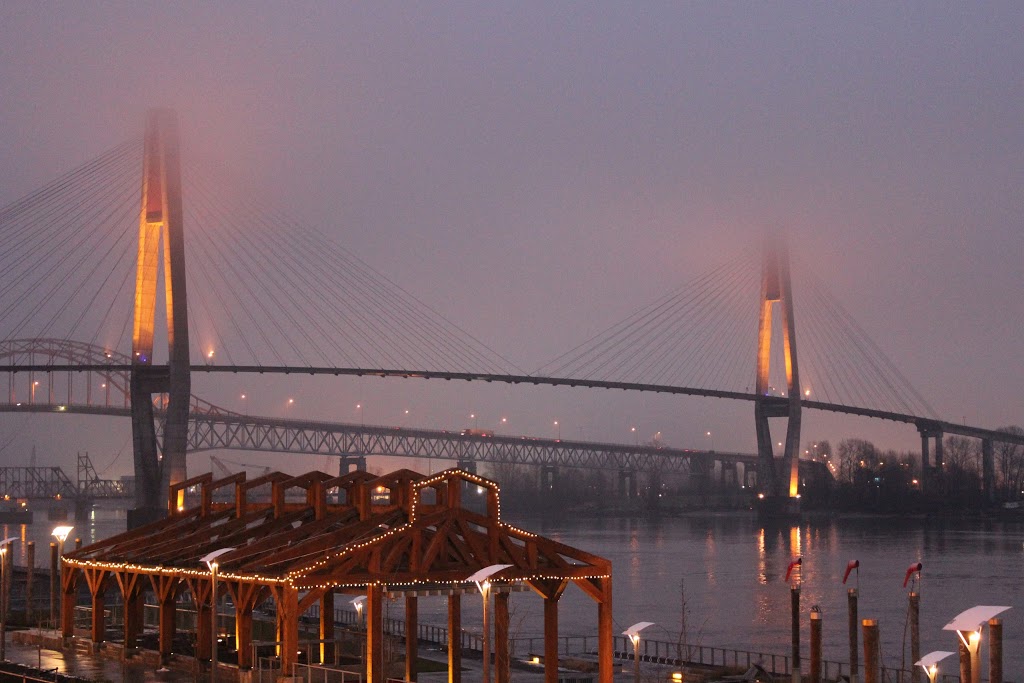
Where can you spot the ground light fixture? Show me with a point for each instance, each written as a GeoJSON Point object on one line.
{"type": "Point", "coordinates": [482, 580]}
{"type": "Point", "coordinates": [930, 663]}
{"type": "Point", "coordinates": [633, 633]}
{"type": "Point", "coordinates": [210, 560]}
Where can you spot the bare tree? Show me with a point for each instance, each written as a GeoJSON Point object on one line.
{"type": "Point", "coordinates": [1009, 461]}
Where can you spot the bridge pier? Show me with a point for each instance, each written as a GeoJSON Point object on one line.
{"type": "Point", "coordinates": [988, 471]}
{"type": "Point", "coordinates": [930, 475]}
{"type": "Point", "coordinates": [349, 463]}
{"type": "Point", "coordinates": [728, 477]}
{"type": "Point", "coordinates": [627, 483]}
{"type": "Point", "coordinates": [466, 464]}
{"type": "Point", "coordinates": [549, 479]}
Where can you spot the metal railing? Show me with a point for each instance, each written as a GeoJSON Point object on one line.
{"type": "Point", "coordinates": [317, 673]}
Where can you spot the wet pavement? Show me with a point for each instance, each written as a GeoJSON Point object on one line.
{"type": "Point", "coordinates": [89, 666]}
{"type": "Point", "coordinates": [96, 667]}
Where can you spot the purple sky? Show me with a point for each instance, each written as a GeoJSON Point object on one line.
{"type": "Point", "coordinates": [537, 171]}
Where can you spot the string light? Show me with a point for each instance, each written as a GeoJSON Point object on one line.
{"type": "Point", "coordinates": [294, 578]}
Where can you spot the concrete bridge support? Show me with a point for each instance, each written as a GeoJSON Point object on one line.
{"type": "Point", "coordinates": [930, 475]}
{"type": "Point", "coordinates": [627, 483]}
{"type": "Point", "coordinates": [780, 482]}
{"type": "Point", "coordinates": [988, 470]}
{"type": "Point", "coordinates": [349, 463]}
{"type": "Point", "coordinates": [160, 230]}
{"type": "Point", "coordinates": [549, 479]}
{"type": "Point", "coordinates": [728, 476]}
{"type": "Point", "coordinates": [466, 464]}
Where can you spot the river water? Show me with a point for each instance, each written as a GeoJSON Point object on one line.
{"type": "Point", "coordinates": [732, 574]}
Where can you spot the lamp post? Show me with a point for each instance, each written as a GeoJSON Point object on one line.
{"type": "Point", "coordinates": [482, 581]}
{"type": "Point", "coordinates": [633, 633]}
{"type": "Point", "coordinates": [711, 441]}
{"type": "Point", "coordinates": [930, 663]}
{"type": "Point", "coordinates": [4, 596]}
{"type": "Point", "coordinates": [210, 560]}
{"type": "Point", "coordinates": [968, 625]}
{"type": "Point", "coordinates": [558, 431]}
{"type": "Point", "coordinates": [358, 604]}
{"type": "Point", "coordinates": [61, 534]}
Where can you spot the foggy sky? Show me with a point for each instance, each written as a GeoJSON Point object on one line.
{"type": "Point", "coordinates": [537, 171]}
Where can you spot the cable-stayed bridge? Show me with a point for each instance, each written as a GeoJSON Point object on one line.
{"type": "Point", "coordinates": [266, 295]}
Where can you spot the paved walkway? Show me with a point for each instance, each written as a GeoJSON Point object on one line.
{"type": "Point", "coordinates": [99, 668]}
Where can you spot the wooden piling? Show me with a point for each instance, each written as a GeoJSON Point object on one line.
{"type": "Point", "coordinates": [794, 601]}
{"type": "Point", "coordinates": [915, 636]}
{"type": "Point", "coordinates": [30, 567]}
{"type": "Point", "coordinates": [965, 662]}
{"type": "Point", "coordinates": [815, 645]}
{"type": "Point", "coordinates": [995, 650]}
{"type": "Point", "coordinates": [872, 656]}
{"type": "Point", "coordinates": [851, 607]}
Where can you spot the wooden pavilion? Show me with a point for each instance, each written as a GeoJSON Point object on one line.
{"type": "Point", "coordinates": [354, 534]}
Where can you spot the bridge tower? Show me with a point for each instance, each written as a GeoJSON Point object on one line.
{"type": "Point", "coordinates": [779, 482]}
{"type": "Point", "coordinates": [160, 234]}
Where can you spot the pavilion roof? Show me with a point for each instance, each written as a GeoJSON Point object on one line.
{"type": "Point", "coordinates": [403, 530]}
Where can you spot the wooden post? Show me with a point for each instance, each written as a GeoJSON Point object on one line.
{"type": "Point", "coordinates": [454, 638]}
{"type": "Point", "coordinates": [201, 595]}
{"type": "Point", "coordinates": [794, 603]}
{"type": "Point", "coordinates": [288, 617]}
{"type": "Point", "coordinates": [915, 635]}
{"type": "Point", "coordinates": [605, 637]}
{"type": "Point", "coordinates": [243, 635]}
{"type": "Point", "coordinates": [995, 650]}
{"type": "Point", "coordinates": [815, 645]}
{"type": "Point", "coordinates": [551, 639]}
{"type": "Point", "coordinates": [327, 625]}
{"type": "Point", "coordinates": [166, 590]}
{"type": "Point", "coordinates": [965, 662]}
{"type": "Point", "coordinates": [851, 607]}
{"type": "Point", "coordinates": [412, 640]}
{"type": "Point", "coordinates": [502, 662]}
{"type": "Point", "coordinates": [30, 575]}
{"type": "Point", "coordinates": [374, 634]}
{"type": "Point", "coordinates": [68, 597]}
{"type": "Point", "coordinates": [132, 617]}
{"type": "Point", "coordinates": [872, 656]}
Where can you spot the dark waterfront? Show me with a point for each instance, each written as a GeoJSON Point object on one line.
{"type": "Point", "coordinates": [733, 572]}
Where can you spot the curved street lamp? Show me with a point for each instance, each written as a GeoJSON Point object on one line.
{"type": "Point", "coordinates": [633, 633]}
{"type": "Point", "coordinates": [61, 534]}
{"type": "Point", "coordinates": [930, 663]}
{"type": "Point", "coordinates": [210, 560]}
{"type": "Point", "coordinates": [482, 580]}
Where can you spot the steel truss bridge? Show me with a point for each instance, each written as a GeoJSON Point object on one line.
{"type": "Point", "coordinates": [53, 483]}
